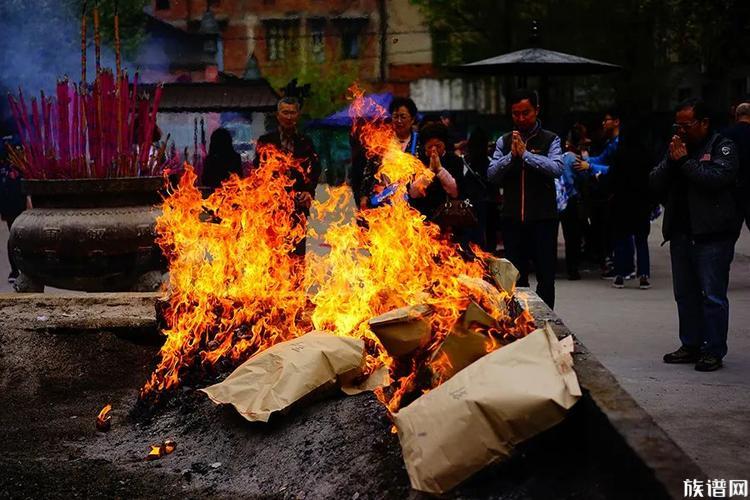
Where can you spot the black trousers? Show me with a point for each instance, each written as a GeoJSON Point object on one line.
{"type": "Point", "coordinates": [574, 226]}
{"type": "Point", "coordinates": [599, 237]}
{"type": "Point", "coordinates": [533, 241]}
{"type": "Point", "coordinates": [700, 278]}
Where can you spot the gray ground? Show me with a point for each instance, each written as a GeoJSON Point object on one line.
{"type": "Point", "coordinates": [707, 414]}
{"type": "Point", "coordinates": [61, 359]}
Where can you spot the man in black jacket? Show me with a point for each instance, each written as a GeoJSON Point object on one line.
{"type": "Point", "coordinates": [740, 135]}
{"type": "Point", "coordinates": [526, 163]}
{"type": "Point", "coordinates": [695, 181]}
{"type": "Point", "coordinates": [288, 138]}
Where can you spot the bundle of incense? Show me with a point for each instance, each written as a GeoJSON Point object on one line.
{"type": "Point", "coordinates": [103, 131]}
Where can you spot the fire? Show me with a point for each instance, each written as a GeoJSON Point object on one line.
{"type": "Point", "coordinates": [104, 419]}
{"type": "Point", "coordinates": [155, 452]}
{"type": "Point", "coordinates": [235, 288]}
{"type": "Point", "coordinates": [168, 446]}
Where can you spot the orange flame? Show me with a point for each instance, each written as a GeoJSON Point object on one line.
{"type": "Point", "coordinates": [104, 418]}
{"type": "Point", "coordinates": [235, 288]}
{"type": "Point", "coordinates": [155, 452]}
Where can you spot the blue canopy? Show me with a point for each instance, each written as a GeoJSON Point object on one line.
{"type": "Point", "coordinates": [342, 119]}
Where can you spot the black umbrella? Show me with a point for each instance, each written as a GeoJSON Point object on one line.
{"type": "Point", "coordinates": [537, 62]}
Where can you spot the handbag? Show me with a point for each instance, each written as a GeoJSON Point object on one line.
{"type": "Point", "coordinates": [456, 213]}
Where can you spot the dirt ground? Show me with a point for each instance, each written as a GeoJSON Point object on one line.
{"type": "Point", "coordinates": [53, 382]}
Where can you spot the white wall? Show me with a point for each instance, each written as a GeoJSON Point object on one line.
{"type": "Point", "coordinates": [457, 94]}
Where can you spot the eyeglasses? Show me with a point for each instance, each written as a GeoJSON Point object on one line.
{"type": "Point", "coordinates": [401, 117]}
{"type": "Point", "coordinates": [684, 126]}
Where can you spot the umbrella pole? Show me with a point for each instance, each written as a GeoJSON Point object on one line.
{"type": "Point", "coordinates": [544, 96]}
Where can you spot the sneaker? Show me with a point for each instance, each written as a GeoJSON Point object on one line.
{"type": "Point", "coordinates": [708, 363]}
{"type": "Point", "coordinates": [682, 355]}
{"type": "Point", "coordinates": [644, 284]}
{"type": "Point", "coordinates": [619, 282]}
{"type": "Point", "coordinates": [630, 276]}
{"type": "Point", "coordinates": [12, 277]}
{"type": "Point", "coordinates": [609, 275]}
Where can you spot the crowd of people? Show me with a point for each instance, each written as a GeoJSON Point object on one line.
{"type": "Point", "coordinates": [604, 202]}
{"type": "Point", "coordinates": [529, 182]}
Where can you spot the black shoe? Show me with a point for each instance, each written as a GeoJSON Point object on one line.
{"type": "Point", "coordinates": [609, 275]}
{"type": "Point", "coordinates": [619, 282]}
{"type": "Point", "coordinates": [708, 363]}
{"type": "Point", "coordinates": [682, 355]}
{"type": "Point", "coordinates": [645, 284]}
{"type": "Point", "coordinates": [12, 277]}
{"type": "Point", "coordinates": [574, 276]}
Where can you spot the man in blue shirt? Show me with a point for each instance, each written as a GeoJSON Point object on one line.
{"type": "Point", "coordinates": [596, 166]}
{"type": "Point", "coordinates": [526, 163]}
{"type": "Point", "coordinates": [600, 164]}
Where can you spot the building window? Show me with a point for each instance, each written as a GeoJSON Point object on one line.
{"type": "Point", "coordinates": [281, 37]}
{"type": "Point", "coordinates": [317, 39]}
{"type": "Point", "coordinates": [350, 45]}
{"type": "Point", "coordinates": [274, 43]}
{"type": "Point", "coordinates": [351, 36]}
{"type": "Point", "coordinates": [162, 5]}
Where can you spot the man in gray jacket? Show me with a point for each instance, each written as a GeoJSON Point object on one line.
{"type": "Point", "coordinates": [695, 181]}
{"type": "Point", "coordinates": [526, 163]}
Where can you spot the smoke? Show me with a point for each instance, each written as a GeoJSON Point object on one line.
{"type": "Point", "coordinates": [40, 42]}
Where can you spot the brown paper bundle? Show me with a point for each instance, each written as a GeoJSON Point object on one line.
{"type": "Point", "coordinates": [481, 413]}
{"type": "Point", "coordinates": [504, 273]}
{"type": "Point", "coordinates": [403, 330]}
{"type": "Point", "coordinates": [464, 344]}
{"type": "Point", "coordinates": [488, 294]}
{"type": "Point", "coordinates": [277, 377]}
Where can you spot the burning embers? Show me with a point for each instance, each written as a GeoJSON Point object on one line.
{"type": "Point", "coordinates": [104, 419]}
{"type": "Point", "coordinates": [156, 451]}
{"type": "Point", "coordinates": [236, 288]}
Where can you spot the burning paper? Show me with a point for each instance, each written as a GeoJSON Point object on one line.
{"type": "Point", "coordinates": [403, 330]}
{"type": "Point", "coordinates": [466, 343]}
{"type": "Point", "coordinates": [490, 298]}
{"type": "Point", "coordinates": [236, 289]}
{"type": "Point", "coordinates": [104, 419]}
{"type": "Point", "coordinates": [156, 451]}
{"type": "Point", "coordinates": [479, 415]}
{"type": "Point", "coordinates": [504, 273]}
{"type": "Point", "coordinates": [274, 379]}
{"type": "Point", "coordinates": [168, 446]}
